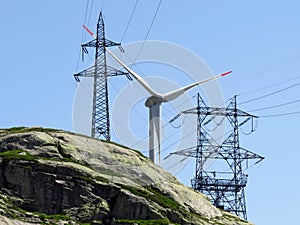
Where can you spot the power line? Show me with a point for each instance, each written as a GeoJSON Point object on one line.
{"type": "Point", "coordinates": [185, 160]}
{"type": "Point", "coordinates": [274, 67]}
{"type": "Point", "coordinates": [272, 93]}
{"type": "Point", "coordinates": [270, 86]}
{"type": "Point", "coordinates": [103, 1]}
{"type": "Point", "coordinates": [275, 106]}
{"type": "Point", "coordinates": [83, 34]}
{"type": "Point", "coordinates": [130, 19]}
{"type": "Point", "coordinates": [126, 100]}
{"type": "Point", "coordinates": [90, 14]}
{"type": "Point", "coordinates": [149, 29]}
{"type": "Point", "coordinates": [181, 138]}
{"type": "Point", "coordinates": [145, 38]}
{"type": "Point", "coordinates": [281, 114]}
{"type": "Point", "coordinates": [85, 18]}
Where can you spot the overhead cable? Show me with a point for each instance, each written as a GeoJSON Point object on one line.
{"type": "Point", "coordinates": [83, 34]}
{"type": "Point", "coordinates": [149, 29]}
{"type": "Point", "coordinates": [130, 19]}
{"type": "Point", "coordinates": [270, 86]}
{"type": "Point", "coordinates": [272, 93]}
{"type": "Point", "coordinates": [281, 114]}
{"type": "Point", "coordinates": [275, 106]}
{"type": "Point", "coordinates": [103, 1]}
{"type": "Point", "coordinates": [274, 67]}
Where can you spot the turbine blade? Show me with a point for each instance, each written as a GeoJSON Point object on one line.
{"type": "Point", "coordinates": [90, 32]}
{"type": "Point", "coordinates": [134, 74]}
{"type": "Point", "coordinates": [176, 93]}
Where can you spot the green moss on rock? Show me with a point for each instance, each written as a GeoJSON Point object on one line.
{"type": "Point", "coordinates": [18, 155]}
{"type": "Point", "coordinates": [145, 222]}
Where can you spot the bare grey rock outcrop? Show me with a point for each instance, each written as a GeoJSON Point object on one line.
{"type": "Point", "coordinates": [51, 176]}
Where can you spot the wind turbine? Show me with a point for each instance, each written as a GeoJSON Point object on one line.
{"type": "Point", "coordinates": [154, 103]}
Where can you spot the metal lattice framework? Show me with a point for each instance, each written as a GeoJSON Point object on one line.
{"type": "Point", "coordinates": [225, 188]}
{"type": "Point", "coordinates": [100, 71]}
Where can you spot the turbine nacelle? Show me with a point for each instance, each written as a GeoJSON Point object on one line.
{"type": "Point", "coordinates": [154, 100]}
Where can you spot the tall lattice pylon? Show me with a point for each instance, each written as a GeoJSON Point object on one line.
{"type": "Point", "coordinates": [224, 185]}
{"type": "Point", "coordinates": [100, 71]}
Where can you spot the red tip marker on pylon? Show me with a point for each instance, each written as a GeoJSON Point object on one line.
{"type": "Point", "coordinates": [226, 73]}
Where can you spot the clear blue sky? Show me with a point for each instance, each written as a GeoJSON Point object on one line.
{"type": "Point", "coordinates": [258, 40]}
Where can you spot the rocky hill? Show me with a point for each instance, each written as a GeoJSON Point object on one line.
{"type": "Point", "coordinates": [56, 177]}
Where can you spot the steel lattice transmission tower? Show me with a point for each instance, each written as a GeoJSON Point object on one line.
{"type": "Point", "coordinates": [224, 186]}
{"type": "Point", "coordinates": [100, 72]}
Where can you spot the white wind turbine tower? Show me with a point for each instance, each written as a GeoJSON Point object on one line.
{"type": "Point", "coordinates": [154, 103]}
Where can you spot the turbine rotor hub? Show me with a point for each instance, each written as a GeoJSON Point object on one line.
{"type": "Point", "coordinates": [154, 100]}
